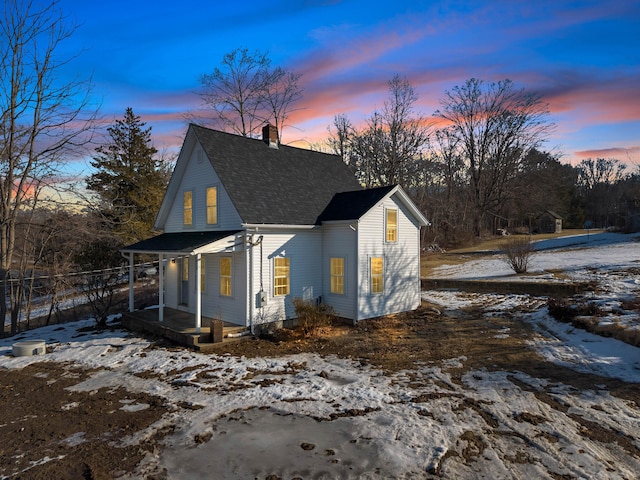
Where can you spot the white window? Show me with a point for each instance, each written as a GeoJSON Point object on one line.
{"type": "Point", "coordinates": [392, 225]}
{"type": "Point", "coordinates": [225, 276]}
{"type": "Point", "coordinates": [212, 206]}
{"type": "Point", "coordinates": [281, 276]}
{"type": "Point", "coordinates": [187, 215]}
{"type": "Point", "coordinates": [377, 275]}
{"type": "Point", "coordinates": [337, 275]}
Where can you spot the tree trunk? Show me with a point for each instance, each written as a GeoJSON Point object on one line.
{"type": "Point", "coordinates": [3, 296]}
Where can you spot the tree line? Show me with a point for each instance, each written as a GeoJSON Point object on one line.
{"type": "Point", "coordinates": [477, 165]}
{"type": "Point", "coordinates": [474, 166]}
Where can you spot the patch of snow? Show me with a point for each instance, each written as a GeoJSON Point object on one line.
{"type": "Point", "coordinates": [75, 439]}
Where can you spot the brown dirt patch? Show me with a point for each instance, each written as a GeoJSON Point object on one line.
{"type": "Point", "coordinates": [41, 419]}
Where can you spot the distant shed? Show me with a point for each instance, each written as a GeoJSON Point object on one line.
{"type": "Point", "coordinates": [550, 222]}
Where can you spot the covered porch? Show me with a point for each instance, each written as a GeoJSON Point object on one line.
{"type": "Point", "coordinates": [184, 322]}
{"type": "Point", "coordinates": [178, 326]}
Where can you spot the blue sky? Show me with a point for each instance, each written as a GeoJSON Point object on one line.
{"type": "Point", "coordinates": [582, 56]}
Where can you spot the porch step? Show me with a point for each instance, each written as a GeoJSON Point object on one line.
{"type": "Point", "coordinates": [203, 342]}
{"type": "Point", "coordinates": [178, 327]}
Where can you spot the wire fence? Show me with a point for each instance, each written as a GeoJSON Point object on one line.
{"type": "Point", "coordinates": [36, 299]}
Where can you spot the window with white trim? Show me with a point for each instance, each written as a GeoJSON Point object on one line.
{"type": "Point", "coordinates": [225, 276]}
{"type": "Point", "coordinates": [392, 225]}
{"type": "Point", "coordinates": [337, 275]}
{"type": "Point", "coordinates": [212, 205]}
{"type": "Point", "coordinates": [281, 276]}
{"type": "Point", "coordinates": [376, 270]}
{"type": "Point", "coordinates": [187, 207]}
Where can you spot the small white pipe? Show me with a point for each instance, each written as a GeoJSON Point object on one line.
{"type": "Point", "coordinates": [244, 333]}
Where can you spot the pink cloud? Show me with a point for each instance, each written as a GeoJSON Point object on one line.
{"type": "Point", "coordinates": [606, 100]}
{"type": "Point", "coordinates": [624, 154]}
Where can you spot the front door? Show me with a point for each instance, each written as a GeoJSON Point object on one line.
{"type": "Point", "coordinates": [184, 281]}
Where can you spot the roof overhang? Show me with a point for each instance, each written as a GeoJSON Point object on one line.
{"type": "Point", "coordinates": [189, 243]}
{"type": "Point", "coordinates": [412, 207]}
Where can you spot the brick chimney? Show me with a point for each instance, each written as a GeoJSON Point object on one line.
{"type": "Point", "coordinates": [270, 135]}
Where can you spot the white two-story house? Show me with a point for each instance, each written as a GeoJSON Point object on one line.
{"type": "Point", "coordinates": [250, 224]}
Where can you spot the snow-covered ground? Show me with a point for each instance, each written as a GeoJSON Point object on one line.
{"type": "Point", "coordinates": [311, 416]}
{"type": "Point", "coordinates": [610, 260]}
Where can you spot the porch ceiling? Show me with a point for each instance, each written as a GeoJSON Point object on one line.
{"type": "Point", "coordinates": [186, 243]}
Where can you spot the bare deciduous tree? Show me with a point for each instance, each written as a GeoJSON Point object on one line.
{"type": "Point", "coordinates": [496, 125]}
{"type": "Point", "coordinates": [406, 133]}
{"type": "Point", "coordinates": [339, 141]}
{"type": "Point", "coordinates": [281, 93]}
{"type": "Point", "coordinates": [101, 262]}
{"type": "Point", "coordinates": [234, 90]}
{"type": "Point", "coordinates": [389, 148]}
{"type": "Point", "coordinates": [443, 190]}
{"type": "Point", "coordinates": [42, 120]}
{"type": "Point", "coordinates": [244, 92]}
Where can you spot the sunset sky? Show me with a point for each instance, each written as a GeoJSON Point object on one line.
{"type": "Point", "coordinates": [583, 57]}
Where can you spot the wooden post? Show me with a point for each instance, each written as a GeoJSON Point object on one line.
{"type": "Point", "coordinates": [217, 330]}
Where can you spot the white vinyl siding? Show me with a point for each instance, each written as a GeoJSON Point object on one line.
{"type": "Point", "coordinates": [304, 249]}
{"type": "Point", "coordinates": [340, 241]}
{"type": "Point", "coordinates": [197, 178]}
{"type": "Point", "coordinates": [232, 308]}
{"type": "Point", "coordinates": [401, 262]}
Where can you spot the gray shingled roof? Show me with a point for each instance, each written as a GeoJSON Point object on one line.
{"type": "Point", "coordinates": [179, 242]}
{"type": "Point", "coordinates": [353, 205]}
{"type": "Point", "coordinates": [287, 185]}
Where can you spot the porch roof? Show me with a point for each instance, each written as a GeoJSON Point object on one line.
{"type": "Point", "coordinates": [185, 243]}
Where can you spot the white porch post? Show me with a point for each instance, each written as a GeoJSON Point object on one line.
{"type": "Point", "coordinates": [131, 279]}
{"type": "Point", "coordinates": [161, 286]}
{"type": "Point", "coordinates": [198, 293]}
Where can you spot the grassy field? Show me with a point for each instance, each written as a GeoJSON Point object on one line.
{"type": "Point", "coordinates": [487, 246]}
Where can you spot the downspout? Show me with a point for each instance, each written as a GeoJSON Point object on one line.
{"type": "Point", "coordinates": [356, 317]}
{"type": "Point", "coordinates": [198, 293]}
{"type": "Point", "coordinates": [249, 245]}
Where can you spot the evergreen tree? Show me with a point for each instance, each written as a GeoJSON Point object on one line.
{"type": "Point", "coordinates": [130, 180]}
